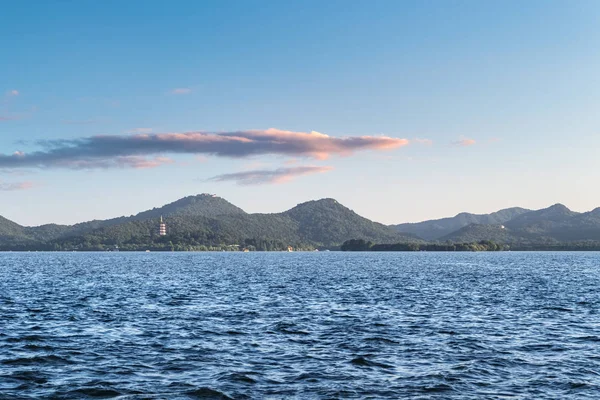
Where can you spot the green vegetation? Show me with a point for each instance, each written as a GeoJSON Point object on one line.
{"type": "Point", "coordinates": [329, 223]}
{"type": "Point", "coordinates": [208, 222]}
{"type": "Point", "coordinates": [438, 228]}
{"type": "Point", "coordinates": [362, 245]}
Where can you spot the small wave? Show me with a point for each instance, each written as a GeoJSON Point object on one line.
{"type": "Point", "coordinates": [442, 387]}
{"type": "Point", "coordinates": [45, 360]}
{"type": "Point", "coordinates": [93, 392]}
{"type": "Point", "coordinates": [580, 385]}
{"type": "Point", "coordinates": [560, 309]}
{"type": "Point", "coordinates": [238, 377]}
{"type": "Point", "coordinates": [235, 333]}
{"type": "Point", "coordinates": [26, 338]}
{"type": "Point", "coordinates": [381, 340]}
{"type": "Point", "coordinates": [289, 329]}
{"type": "Point", "coordinates": [207, 393]}
{"type": "Point", "coordinates": [587, 338]}
{"type": "Point", "coordinates": [29, 376]}
{"type": "Point", "coordinates": [363, 362]}
{"type": "Point", "coordinates": [307, 377]}
{"type": "Point", "coordinates": [447, 332]}
{"type": "Point", "coordinates": [37, 347]}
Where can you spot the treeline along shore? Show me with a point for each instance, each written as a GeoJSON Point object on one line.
{"type": "Point", "coordinates": [482, 245]}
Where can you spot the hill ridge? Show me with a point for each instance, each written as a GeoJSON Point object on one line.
{"type": "Point", "coordinates": [207, 219]}
{"type": "Point", "coordinates": [438, 228]}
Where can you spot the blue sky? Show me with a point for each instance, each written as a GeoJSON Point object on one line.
{"type": "Point", "coordinates": [498, 102]}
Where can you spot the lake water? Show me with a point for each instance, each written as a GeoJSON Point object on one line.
{"type": "Point", "coordinates": [299, 325]}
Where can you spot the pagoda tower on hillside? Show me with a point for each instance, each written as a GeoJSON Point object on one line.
{"type": "Point", "coordinates": [162, 228]}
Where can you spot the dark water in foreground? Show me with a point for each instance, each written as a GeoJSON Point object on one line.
{"type": "Point", "coordinates": [292, 325]}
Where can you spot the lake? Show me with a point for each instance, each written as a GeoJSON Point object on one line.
{"type": "Point", "coordinates": [299, 325]}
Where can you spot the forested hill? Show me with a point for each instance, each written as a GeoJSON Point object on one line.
{"type": "Point", "coordinates": [207, 221]}
{"type": "Point", "coordinates": [328, 221]}
{"type": "Point", "coordinates": [438, 228]}
{"type": "Point", "coordinates": [548, 227]}
{"type": "Point", "coordinates": [210, 222]}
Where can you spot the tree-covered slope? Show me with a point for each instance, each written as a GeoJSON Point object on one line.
{"type": "Point", "coordinates": [10, 228]}
{"type": "Point", "coordinates": [543, 220]}
{"type": "Point", "coordinates": [555, 224]}
{"type": "Point", "coordinates": [329, 223]}
{"type": "Point", "coordinates": [316, 223]}
{"type": "Point", "coordinates": [207, 220]}
{"type": "Point", "coordinates": [436, 229]}
{"type": "Point", "coordinates": [13, 234]}
{"type": "Point", "coordinates": [476, 232]}
{"type": "Point", "coordinates": [202, 205]}
{"type": "Point", "coordinates": [584, 226]}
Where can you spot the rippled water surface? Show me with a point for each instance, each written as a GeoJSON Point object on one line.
{"type": "Point", "coordinates": [299, 325]}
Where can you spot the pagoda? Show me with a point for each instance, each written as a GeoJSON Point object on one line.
{"type": "Point", "coordinates": [162, 228]}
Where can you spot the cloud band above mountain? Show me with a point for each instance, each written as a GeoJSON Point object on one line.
{"type": "Point", "coordinates": [132, 150]}
{"type": "Point", "coordinates": [279, 175]}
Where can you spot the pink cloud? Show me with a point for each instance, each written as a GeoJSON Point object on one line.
{"type": "Point", "coordinates": [116, 150]}
{"type": "Point", "coordinates": [143, 163]}
{"type": "Point", "coordinates": [276, 176]}
{"type": "Point", "coordinates": [181, 91]}
{"type": "Point", "coordinates": [464, 142]}
{"type": "Point", "coordinates": [14, 186]}
{"type": "Point", "coordinates": [12, 93]}
{"type": "Point", "coordinates": [117, 162]}
{"type": "Point", "coordinates": [315, 144]}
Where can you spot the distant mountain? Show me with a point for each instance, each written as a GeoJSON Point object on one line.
{"type": "Point", "coordinates": [559, 223]}
{"type": "Point", "coordinates": [477, 232]}
{"type": "Point", "coordinates": [438, 228]}
{"type": "Point", "coordinates": [541, 220]}
{"type": "Point", "coordinates": [555, 224]}
{"type": "Point", "coordinates": [584, 226]}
